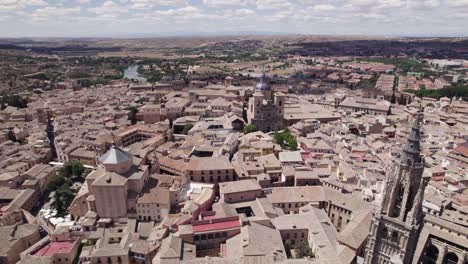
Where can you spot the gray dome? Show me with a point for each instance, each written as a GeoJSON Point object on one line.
{"type": "Point", "coordinates": [263, 85]}
{"type": "Point", "coordinates": [115, 155]}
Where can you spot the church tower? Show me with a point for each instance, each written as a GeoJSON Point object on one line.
{"type": "Point", "coordinates": [266, 108]}
{"type": "Point", "coordinates": [395, 228]}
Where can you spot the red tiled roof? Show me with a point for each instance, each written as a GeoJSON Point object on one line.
{"type": "Point", "coordinates": [216, 226]}
{"type": "Point", "coordinates": [55, 247]}
{"type": "Point", "coordinates": [462, 149]}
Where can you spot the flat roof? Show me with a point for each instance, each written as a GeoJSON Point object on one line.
{"type": "Point", "coordinates": [55, 247]}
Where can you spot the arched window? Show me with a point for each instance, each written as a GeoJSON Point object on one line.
{"type": "Point", "coordinates": [450, 258]}
{"type": "Point", "coordinates": [431, 254]}
{"type": "Point", "coordinates": [395, 236]}
{"type": "Point", "coordinates": [384, 233]}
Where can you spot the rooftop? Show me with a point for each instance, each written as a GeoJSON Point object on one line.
{"type": "Point", "coordinates": [56, 247]}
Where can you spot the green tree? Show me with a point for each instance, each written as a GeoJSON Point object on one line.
{"type": "Point", "coordinates": [62, 199]}
{"type": "Point", "coordinates": [14, 100]}
{"type": "Point", "coordinates": [249, 129]}
{"type": "Point", "coordinates": [186, 129]}
{"type": "Point", "coordinates": [66, 170]}
{"type": "Point", "coordinates": [292, 143]}
{"type": "Point", "coordinates": [58, 181]}
{"type": "Point", "coordinates": [57, 203]}
{"type": "Point", "coordinates": [286, 140]}
{"type": "Point", "coordinates": [279, 139]}
{"type": "Point", "coordinates": [132, 114]}
{"type": "Point", "coordinates": [77, 169]}
{"type": "Point", "coordinates": [304, 250]}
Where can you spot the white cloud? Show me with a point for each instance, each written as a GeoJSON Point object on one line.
{"type": "Point", "coordinates": [278, 16]}
{"type": "Point", "coordinates": [418, 4]}
{"type": "Point", "coordinates": [458, 3]}
{"type": "Point", "coordinates": [54, 12]}
{"type": "Point", "coordinates": [273, 4]}
{"type": "Point", "coordinates": [324, 7]}
{"type": "Point", "coordinates": [225, 3]}
{"type": "Point", "coordinates": [392, 3]}
{"type": "Point", "coordinates": [422, 17]}
{"type": "Point", "coordinates": [108, 8]}
{"type": "Point", "coordinates": [145, 4]}
{"type": "Point", "coordinates": [183, 14]}
{"type": "Point", "coordinates": [21, 3]}
{"type": "Point", "coordinates": [242, 12]}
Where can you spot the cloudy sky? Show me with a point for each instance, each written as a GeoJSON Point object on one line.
{"type": "Point", "coordinates": [107, 18]}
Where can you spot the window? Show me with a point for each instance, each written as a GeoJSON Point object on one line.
{"type": "Point", "coordinates": [394, 236]}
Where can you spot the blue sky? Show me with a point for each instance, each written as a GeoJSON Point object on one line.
{"type": "Point", "coordinates": [93, 18]}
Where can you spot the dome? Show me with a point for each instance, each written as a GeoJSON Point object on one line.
{"type": "Point", "coordinates": [263, 85]}
{"type": "Point", "coordinates": [117, 160]}
{"type": "Point", "coordinates": [115, 155]}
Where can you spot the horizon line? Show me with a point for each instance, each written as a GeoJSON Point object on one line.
{"type": "Point", "coordinates": [227, 34]}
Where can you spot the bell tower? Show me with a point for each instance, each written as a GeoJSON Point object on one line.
{"type": "Point", "coordinates": [395, 228]}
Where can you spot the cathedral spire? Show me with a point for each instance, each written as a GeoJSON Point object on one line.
{"type": "Point", "coordinates": [411, 152]}
{"type": "Point", "coordinates": [395, 231]}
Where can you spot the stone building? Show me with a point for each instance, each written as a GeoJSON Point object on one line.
{"type": "Point", "coordinates": [14, 239]}
{"type": "Point", "coordinates": [114, 188]}
{"type": "Point", "coordinates": [442, 241]}
{"type": "Point", "coordinates": [266, 109]}
{"type": "Point", "coordinates": [395, 229]}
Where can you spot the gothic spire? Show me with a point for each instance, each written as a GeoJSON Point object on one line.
{"type": "Point", "coordinates": [411, 151]}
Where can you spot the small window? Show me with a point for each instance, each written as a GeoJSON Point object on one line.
{"type": "Point", "coordinates": [394, 236]}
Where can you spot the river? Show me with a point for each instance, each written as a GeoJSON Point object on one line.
{"type": "Point", "coordinates": [132, 73]}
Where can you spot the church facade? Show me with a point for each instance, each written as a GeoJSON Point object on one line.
{"type": "Point", "coordinates": [266, 108]}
